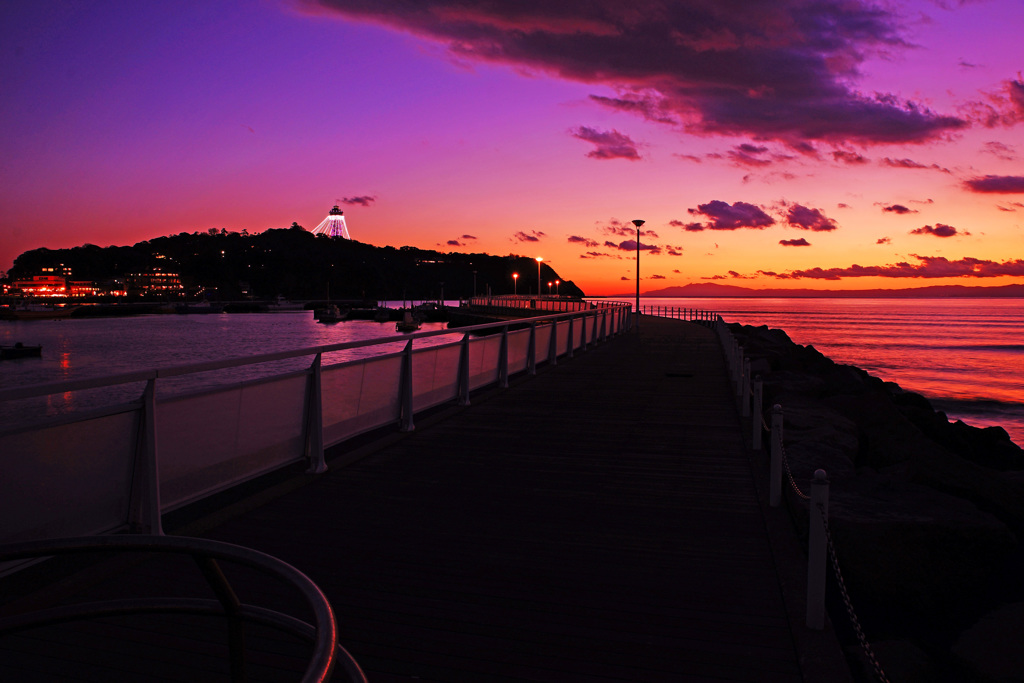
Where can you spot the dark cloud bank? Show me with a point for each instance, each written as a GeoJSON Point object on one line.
{"type": "Point", "coordinates": [782, 70]}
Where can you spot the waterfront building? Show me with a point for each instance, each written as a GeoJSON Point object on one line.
{"type": "Point", "coordinates": [156, 281]}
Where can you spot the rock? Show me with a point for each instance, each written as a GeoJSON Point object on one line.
{"type": "Point", "coordinates": [901, 661]}
{"type": "Point", "coordinates": [992, 647]}
{"type": "Point", "coordinates": [906, 548]}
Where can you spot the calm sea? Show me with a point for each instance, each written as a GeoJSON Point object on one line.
{"type": "Point", "coordinates": [965, 355]}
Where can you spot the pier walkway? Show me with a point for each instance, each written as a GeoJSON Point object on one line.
{"type": "Point", "coordinates": [600, 521]}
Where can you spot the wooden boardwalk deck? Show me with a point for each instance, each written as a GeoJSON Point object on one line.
{"type": "Point", "coordinates": [597, 522]}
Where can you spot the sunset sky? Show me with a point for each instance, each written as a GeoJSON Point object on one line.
{"type": "Point", "coordinates": [816, 144]}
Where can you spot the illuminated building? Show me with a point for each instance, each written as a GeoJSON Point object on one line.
{"type": "Point", "coordinates": [333, 225]}
{"type": "Point", "coordinates": [155, 281]}
{"type": "Point", "coordinates": [41, 286]}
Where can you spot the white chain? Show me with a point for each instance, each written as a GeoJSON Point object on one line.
{"type": "Point", "coordinates": [864, 645]}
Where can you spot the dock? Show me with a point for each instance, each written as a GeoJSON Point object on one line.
{"type": "Point", "coordinates": [603, 520]}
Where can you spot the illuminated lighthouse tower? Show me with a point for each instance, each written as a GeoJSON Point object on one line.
{"type": "Point", "coordinates": [333, 225]}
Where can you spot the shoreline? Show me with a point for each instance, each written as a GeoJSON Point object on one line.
{"type": "Point", "coordinates": [925, 513]}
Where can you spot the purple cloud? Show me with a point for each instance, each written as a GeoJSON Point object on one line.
{"type": "Point", "coordinates": [927, 267]}
{"type": "Point", "coordinates": [806, 218]}
{"type": "Point", "coordinates": [585, 241]}
{"type": "Point", "coordinates": [607, 144]}
{"type": "Point", "coordinates": [897, 208]}
{"type": "Point", "coordinates": [849, 157]}
{"type": "Point", "coordinates": [939, 230]}
{"type": "Point", "coordinates": [783, 70]}
{"type": "Point", "coordinates": [1003, 184]}
{"type": "Point", "coordinates": [730, 217]}
{"type": "Point", "coordinates": [361, 201]}
{"type": "Point", "coordinates": [795, 243]}
{"type": "Point", "coordinates": [910, 163]}
{"type": "Point", "coordinates": [532, 236]}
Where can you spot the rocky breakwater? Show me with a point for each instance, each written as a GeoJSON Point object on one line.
{"type": "Point", "coordinates": [927, 515]}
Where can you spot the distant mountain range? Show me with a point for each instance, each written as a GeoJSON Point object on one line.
{"type": "Point", "coordinates": [938, 291]}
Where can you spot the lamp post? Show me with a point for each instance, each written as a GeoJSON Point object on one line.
{"type": "Point", "coordinates": [515, 284]}
{"type": "Point", "coordinates": [638, 223]}
{"type": "Point", "coordinates": [557, 282]}
{"type": "Point", "coordinates": [539, 259]}
{"type": "Point", "coordinates": [550, 287]}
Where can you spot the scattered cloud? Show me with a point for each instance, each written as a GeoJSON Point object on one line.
{"type": "Point", "coordinates": [883, 240]}
{"type": "Point", "coordinates": [1000, 151]}
{"type": "Point", "coordinates": [1005, 184]}
{"type": "Point", "coordinates": [782, 71]}
{"type": "Point", "coordinates": [939, 230]}
{"type": "Point", "coordinates": [651, 106]}
{"type": "Point", "coordinates": [658, 277]}
{"type": "Point", "coordinates": [897, 208]}
{"type": "Point", "coordinates": [1004, 107]}
{"type": "Point", "coordinates": [926, 267]}
{"type": "Point", "coordinates": [795, 243]}
{"type": "Point", "coordinates": [607, 144]}
{"type": "Point", "coordinates": [364, 200]}
{"type": "Point", "coordinates": [851, 158]}
{"type": "Point", "coordinates": [807, 218]}
{"type": "Point", "coordinates": [725, 216]}
{"type": "Point", "coordinates": [910, 163]}
{"type": "Point", "coordinates": [532, 236]}
{"type": "Point", "coordinates": [599, 254]}
{"type": "Point", "coordinates": [630, 245]}
{"type": "Point", "coordinates": [585, 241]}
{"type": "Point", "coordinates": [453, 243]}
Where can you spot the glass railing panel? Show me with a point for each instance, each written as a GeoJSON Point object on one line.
{"type": "Point", "coordinates": [211, 441]}
{"type": "Point", "coordinates": [484, 359]}
{"type": "Point", "coordinates": [543, 342]}
{"type": "Point", "coordinates": [359, 397]}
{"type": "Point", "coordinates": [71, 479]}
{"type": "Point", "coordinates": [435, 376]}
{"type": "Point", "coordinates": [518, 345]}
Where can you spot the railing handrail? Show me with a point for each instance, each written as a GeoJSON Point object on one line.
{"type": "Point", "coordinates": [323, 635]}
{"type": "Point", "coordinates": [30, 391]}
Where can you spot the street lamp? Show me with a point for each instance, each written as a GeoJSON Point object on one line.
{"type": "Point", "coordinates": [539, 259]}
{"type": "Point", "coordinates": [557, 282]}
{"type": "Point", "coordinates": [550, 287]}
{"type": "Point", "coordinates": [638, 223]}
{"type": "Point", "coordinates": [515, 284]}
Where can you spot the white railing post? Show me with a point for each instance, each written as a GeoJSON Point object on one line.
{"type": "Point", "coordinates": [315, 421]}
{"type": "Point", "coordinates": [775, 468]}
{"type": "Point", "coordinates": [503, 359]}
{"type": "Point", "coordinates": [464, 371]}
{"type": "Point", "coordinates": [144, 510]}
{"type": "Point", "coordinates": [817, 548]}
{"type": "Point", "coordinates": [756, 416]}
{"type": "Point", "coordinates": [745, 388]}
{"type": "Point", "coordinates": [553, 344]}
{"type": "Point", "coordinates": [531, 351]}
{"type": "Point", "coordinates": [572, 339]}
{"type": "Point", "coordinates": [405, 416]}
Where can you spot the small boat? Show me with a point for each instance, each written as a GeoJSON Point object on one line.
{"type": "Point", "coordinates": [201, 307]}
{"type": "Point", "coordinates": [36, 312]}
{"type": "Point", "coordinates": [408, 323]}
{"type": "Point", "coordinates": [331, 314]}
{"type": "Point", "coordinates": [19, 350]}
{"type": "Point", "coordinates": [282, 305]}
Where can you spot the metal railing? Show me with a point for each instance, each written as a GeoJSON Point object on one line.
{"type": "Point", "coordinates": [327, 653]}
{"type": "Point", "coordinates": [123, 466]}
{"type": "Point", "coordinates": [820, 546]}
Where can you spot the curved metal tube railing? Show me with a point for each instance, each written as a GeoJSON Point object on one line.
{"type": "Point", "coordinates": [327, 653]}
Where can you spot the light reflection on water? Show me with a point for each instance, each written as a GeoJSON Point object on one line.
{"type": "Point", "coordinates": [78, 348]}
{"type": "Point", "coordinates": [966, 355]}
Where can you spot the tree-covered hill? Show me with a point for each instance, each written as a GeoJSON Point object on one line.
{"type": "Point", "coordinates": [297, 264]}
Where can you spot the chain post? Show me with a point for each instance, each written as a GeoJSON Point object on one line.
{"type": "Point", "coordinates": [775, 469]}
{"type": "Point", "coordinates": [757, 417]}
{"type": "Point", "coordinates": [817, 548]}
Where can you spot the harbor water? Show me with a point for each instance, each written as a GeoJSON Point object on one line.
{"type": "Point", "coordinates": [965, 355]}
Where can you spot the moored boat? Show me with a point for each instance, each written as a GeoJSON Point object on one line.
{"type": "Point", "coordinates": [331, 314]}
{"type": "Point", "coordinates": [408, 323]}
{"type": "Point", "coordinates": [19, 350]}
